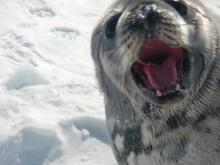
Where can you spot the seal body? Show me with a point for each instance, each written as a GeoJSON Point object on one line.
{"type": "Point", "coordinates": [158, 65]}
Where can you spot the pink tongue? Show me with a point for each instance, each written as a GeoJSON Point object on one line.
{"type": "Point", "coordinates": [162, 77]}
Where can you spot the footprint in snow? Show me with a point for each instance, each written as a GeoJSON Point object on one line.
{"type": "Point", "coordinates": [65, 32]}
{"type": "Point", "coordinates": [43, 12]}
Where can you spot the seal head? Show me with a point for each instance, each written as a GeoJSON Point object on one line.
{"type": "Point", "coordinates": [155, 48]}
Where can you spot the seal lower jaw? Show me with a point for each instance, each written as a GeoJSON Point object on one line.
{"type": "Point", "coordinates": [161, 71]}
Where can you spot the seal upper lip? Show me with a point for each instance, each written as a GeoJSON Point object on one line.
{"type": "Point", "coordinates": [160, 66]}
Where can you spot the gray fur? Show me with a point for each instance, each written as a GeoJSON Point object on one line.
{"type": "Point", "coordinates": [180, 132]}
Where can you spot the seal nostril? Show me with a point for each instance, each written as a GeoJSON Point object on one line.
{"type": "Point", "coordinates": [151, 18]}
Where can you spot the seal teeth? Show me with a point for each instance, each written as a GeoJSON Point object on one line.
{"type": "Point", "coordinates": [158, 93]}
{"type": "Point", "coordinates": [178, 87]}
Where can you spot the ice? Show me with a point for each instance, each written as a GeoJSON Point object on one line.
{"type": "Point", "coordinates": [24, 76]}
{"type": "Point", "coordinates": [91, 126]}
{"type": "Point", "coordinates": [30, 146]}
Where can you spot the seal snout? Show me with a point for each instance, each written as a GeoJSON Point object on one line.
{"type": "Point", "coordinates": [150, 17]}
{"type": "Point", "coordinates": [160, 67]}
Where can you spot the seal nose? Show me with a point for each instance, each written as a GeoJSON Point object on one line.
{"type": "Point", "coordinates": [151, 17]}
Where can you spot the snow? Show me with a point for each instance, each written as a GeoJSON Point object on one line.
{"type": "Point", "coordinates": [25, 76]}
{"type": "Point", "coordinates": [51, 111]}
{"type": "Point", "coordinates": [30, 146]}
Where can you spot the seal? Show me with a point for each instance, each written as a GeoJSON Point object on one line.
{"type": "Point", "coordinates": [158, 65]}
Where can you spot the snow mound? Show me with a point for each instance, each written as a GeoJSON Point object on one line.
{"type": "Point", "coordinates": [25, 76]}
{"type": "Point", "coordinates": [85, 142]}
{"type": "Point", "coordinates": [93, 127]}
{"type": "Point", "coordinates": [31, 146]}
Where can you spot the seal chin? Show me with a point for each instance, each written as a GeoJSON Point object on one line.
{"type": "Point", "coordinates": [163, 71]}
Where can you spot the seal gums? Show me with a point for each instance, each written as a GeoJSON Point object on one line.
{"type": "Point", "coordinates": [160, 66]}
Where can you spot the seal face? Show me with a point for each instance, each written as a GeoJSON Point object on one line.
{"type": "Point", "coordinates": [158, 64]}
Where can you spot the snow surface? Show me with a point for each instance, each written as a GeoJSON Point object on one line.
{"type": "Point", "coordinates": [51, 111]}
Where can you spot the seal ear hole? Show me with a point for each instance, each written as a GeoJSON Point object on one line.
{"type": "Point", "coordinates": [180, 6]}
{"type": "Point", "coordinates": [110, 28]}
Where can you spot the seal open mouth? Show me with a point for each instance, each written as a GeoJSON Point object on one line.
{"type": "Point", "coordinates": [160, 67]}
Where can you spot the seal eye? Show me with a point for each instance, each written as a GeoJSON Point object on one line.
{"type": "Point", "coordinates": [111, 26]}
{"type": "Point", "coordinates": [180, 6]}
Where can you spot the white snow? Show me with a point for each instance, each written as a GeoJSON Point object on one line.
{"type": "Point", "coordinates": [24, 76]}
{"type": "Point", "coordinates": [51, 111]}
